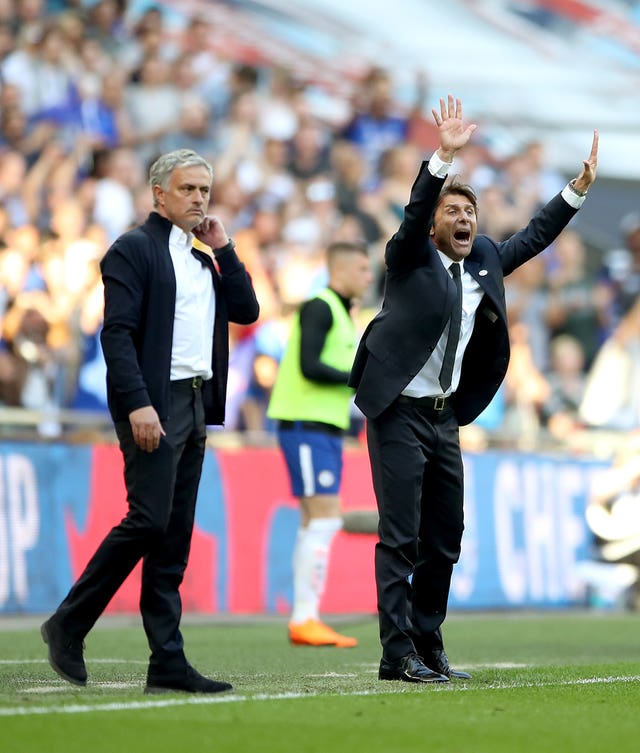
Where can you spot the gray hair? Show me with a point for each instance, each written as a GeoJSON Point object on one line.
{"type": "Point", "coordinates": [160, 171]}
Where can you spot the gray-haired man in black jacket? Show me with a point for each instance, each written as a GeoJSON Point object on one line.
{"type": "Point", "coordinates": [165, 342]}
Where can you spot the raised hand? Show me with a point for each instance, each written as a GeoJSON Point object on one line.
{"type": "Point", "coordinates": [590, 167]}
{"type": "Point", "coordinates": [453, 134]}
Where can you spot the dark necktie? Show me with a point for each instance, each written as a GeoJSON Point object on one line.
{"type": "Point", "coordinates": [446, 372]}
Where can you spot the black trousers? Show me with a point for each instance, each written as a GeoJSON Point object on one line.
{"type": "Point", "coordinates": [162, 488]}
{"type": "Point", "coordinates": [418, 480]}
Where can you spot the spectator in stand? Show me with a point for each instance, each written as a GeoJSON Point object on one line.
{"type": "Point", "coordinates": [43, 73]}
{"type": "Point", "coordinates": [566, 380]}
{"type": "Point", "coordinates": [32, 368]}
{"type": "Point", "coordinates": [397, 171]}
{"type": "Point", "coordinates": [7, 39]}
{"type": "Point", "coordinates": [13, 170]}
{"type": "Point", "coordinates": [497, 216]}
{"type": "Point", "coordinates": [266, 173]}
{"type": "Point", "coordinates": [16, 132]}
{"type": "Point", "coordinates": [525, 392]}
{"type": "Point", "coordinates": [612, 393]}
{"type": "Point", "coordinates": [280, 105]}
{"type": "Point", "coordinates": [522, 193]}
{"type": "Point", "coordinates": [526, 299]}
{"type": "Point", "coordinates": [25, 243]}
{"type": "Point", "coordinates": [210, 71]}
{"type": "Point", "coordinates": [237, 137]}
{"type": "Point", "coordinates": [193, 131]}
{"type": "Point", "coordinates": [577, 303]}
{"type": "Point", "coordinates": [621, 271]}
{"type": "Point", "coordinates": [52, 179]}
{"type": "Point", "coordinates": [347, 172]}
{"type": "Point", "coordinates": [475, 166]}
{"type": "Point", "coordinates": [106, 121]}
{"type": "Point", "coordinates": [153, 103]}
{"type": "Point", "coordinates": [4, 226]}
{"type": "Point", "coordinates": [14, 273]}
{"type": "Point", "coordinates": [376, 124]}
{"type": "Point", "coordinates": [113, 208]}
{"type": "Point", "coordinates": [28, 15]}
{"type": "Point", "coordinates": [313, 217]}
{"type": "Point", "coordinates": [546, 182]}
{"type": "Point", "coordinates": [105, 24]}
{"type": "Point", "coordinates": [308, 151]}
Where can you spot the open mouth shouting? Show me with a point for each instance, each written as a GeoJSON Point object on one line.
{"type": "Point", "coordinates": [462, 238]}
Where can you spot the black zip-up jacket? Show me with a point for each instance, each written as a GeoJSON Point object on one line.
{"type": "Point", "coordinates": [139, 308]}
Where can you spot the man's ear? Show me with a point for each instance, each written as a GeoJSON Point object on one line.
{"type": "Point", "coordinates": [158, 194]}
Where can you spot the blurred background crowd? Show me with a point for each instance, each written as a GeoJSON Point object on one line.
{"type": "Point", "coordinates": [91, 92]}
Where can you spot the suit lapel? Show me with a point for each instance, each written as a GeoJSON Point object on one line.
{"type": "Point", "coordinates": [481, 273]}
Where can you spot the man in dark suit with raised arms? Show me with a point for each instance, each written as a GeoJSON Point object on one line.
{"type": "Point", "coordinates": [430, 361]}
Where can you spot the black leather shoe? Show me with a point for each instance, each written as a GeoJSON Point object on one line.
{"type": "Point", "coordinates": [409, 668]}
{"type": "Point", "coordinates": [65, 653]}
{"type": "Point", "coordinates": [439, 661]}
{"type": "Point", "coordinates": [187, 680]}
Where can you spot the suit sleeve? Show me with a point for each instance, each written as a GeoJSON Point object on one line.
{"type": "Point", "coordinates": [410, 246]}
{"type": "Point", "coordinates": [542, 230]}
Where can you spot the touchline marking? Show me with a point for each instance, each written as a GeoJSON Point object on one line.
{"type": "Point", "coordinates": [233, 698]}
{"type": "Point", "coordinates": [91, 661]}
{"type": "Point", "coordinates": [64, 687]}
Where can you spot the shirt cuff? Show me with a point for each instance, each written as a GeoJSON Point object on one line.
{"type": "Point", "coordinates": [572, 198]}
{"type": "Point", "coordinates": [437, 167]}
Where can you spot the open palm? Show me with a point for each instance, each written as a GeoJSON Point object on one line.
{"type": "Point", "coordinates": [453, 134]}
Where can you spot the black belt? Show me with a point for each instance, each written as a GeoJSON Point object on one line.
{"type": "Point", "coordinates": [437, 403]}
{"type": "Point", "coordinates": [311, 426]}
{"type": "Point", "coordinates": [194, 383]}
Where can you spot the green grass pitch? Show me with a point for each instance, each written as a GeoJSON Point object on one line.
{"type": "Point", "coordinates": [566, 682]}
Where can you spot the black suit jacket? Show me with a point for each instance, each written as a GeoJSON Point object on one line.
{"type": "Point", "coordinates": [419, 295]}
{"type": "Point", "coordinates": [139, 297]}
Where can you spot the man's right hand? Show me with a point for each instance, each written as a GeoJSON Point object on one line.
{"type": "Point", "coordinates": [146, 428]}
{"type": "Point", "coordinates": [453, 134]}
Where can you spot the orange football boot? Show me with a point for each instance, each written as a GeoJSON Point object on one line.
{"type": "Point", "coordinates": [316, 633]}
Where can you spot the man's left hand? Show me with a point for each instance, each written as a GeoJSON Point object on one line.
{"type": "Point", "coordinates": [590, 166]}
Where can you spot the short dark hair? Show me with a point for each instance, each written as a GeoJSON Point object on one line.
{"type": "Point", "coordinates": [346, 247]}
{"type": "Point", "coordinates": [457, 187]}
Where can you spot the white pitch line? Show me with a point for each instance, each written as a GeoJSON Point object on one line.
{"type": "Point", "coordinates": [91, 661]}
{"type": "Point", "coordinates": [233, 698]}
{"type": "Point", "coordinates": [64, 687]}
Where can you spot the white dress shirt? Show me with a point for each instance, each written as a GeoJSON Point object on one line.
{"type": "Point", "coordinates": [191, 349]}
{"type": "Point", "coordinates": [426, 381]}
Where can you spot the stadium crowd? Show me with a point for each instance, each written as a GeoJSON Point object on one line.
{"type": "Point", "coordinates": [90, 95]}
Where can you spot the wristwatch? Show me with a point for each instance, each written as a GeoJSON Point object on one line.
{"type": "Point", "coordinates": [573, 189]}
{"type": "Point", "coordinates": [227, 247]}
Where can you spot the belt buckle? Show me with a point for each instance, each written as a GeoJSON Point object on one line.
{"type": "Point", "coordinates": [196, 382]}
{"type": "Point", "coordinates": [439, 402]}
